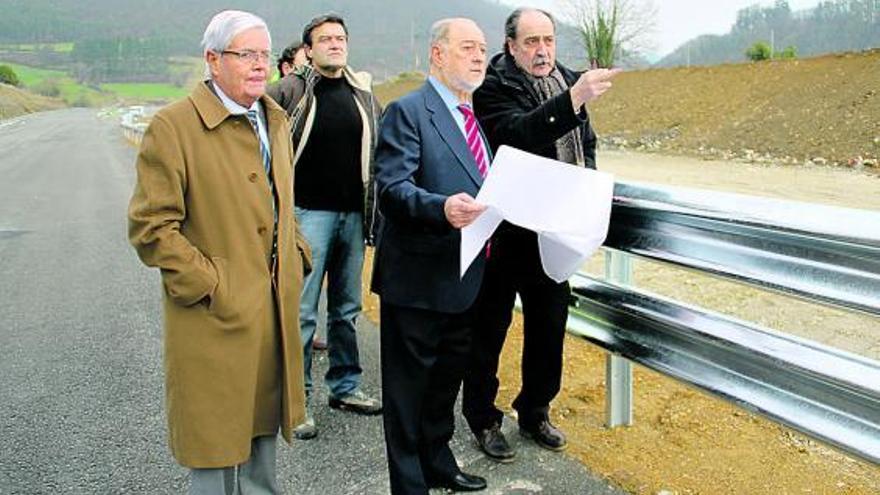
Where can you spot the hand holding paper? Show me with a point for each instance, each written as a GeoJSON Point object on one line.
{"type": "Point", "coordinates": [461, 210]}
{"type": "Point", "coordinates": [569, 207]}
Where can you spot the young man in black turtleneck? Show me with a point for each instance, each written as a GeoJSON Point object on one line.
{"type": "Point", "coordinates": [334, 117]}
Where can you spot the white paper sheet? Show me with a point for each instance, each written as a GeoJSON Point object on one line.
{"type": "Point", "coordinates": [569, 207]}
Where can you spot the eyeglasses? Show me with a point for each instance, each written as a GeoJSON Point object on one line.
{"type": "Point", "coordinates": [250, 56]}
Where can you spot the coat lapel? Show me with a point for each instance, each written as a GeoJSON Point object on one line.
{"type": "Point", "coordinates": [208, 105]}
{"type": "Point", "coordinates": [450, 133]}
{"type": "Point", "coordinates": [275, 116]}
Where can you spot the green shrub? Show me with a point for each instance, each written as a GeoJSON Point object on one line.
{"type": "Point", "coordinates": [84, 100]}
{"type": "Point", "coordinates": [759, 51]}
{"type": "Point", "coordinates": [789, 53]}
{"type": "Point", "coordinates": [410, 76]}
{"type": "Point", "coordinates": [600, 34]}
{"type": "Point", "coordinates": [8, 76]}
{"type": "Point", "coordinates": [47, 87]}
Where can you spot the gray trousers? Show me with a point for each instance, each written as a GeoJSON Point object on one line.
{"type": "Point", "coordinates": [254, 477]}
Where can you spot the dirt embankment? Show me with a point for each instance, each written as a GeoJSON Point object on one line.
{"type": "Point", "coordinates": [823, 110]}
{"type": "Point", "coordinates": [15, 102]}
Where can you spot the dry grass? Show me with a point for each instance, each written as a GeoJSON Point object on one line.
{"type": "Point", "coordinates": [14, 102]}
{"type": "Point", "coordinates": [399, 86]}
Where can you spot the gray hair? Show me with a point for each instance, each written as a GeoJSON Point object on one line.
{"type": "Point", "coordinates": [440, 31]}
{"type": "Point", "coordinates": [227, 25]}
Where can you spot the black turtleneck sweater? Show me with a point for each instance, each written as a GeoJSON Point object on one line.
{"type": "Point", "coordinates": [328, 174]}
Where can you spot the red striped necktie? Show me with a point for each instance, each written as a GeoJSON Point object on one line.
{"type": "Point", "coordinates": [475, 144]}
{"type": "Point", "coordinates": [474, 139]}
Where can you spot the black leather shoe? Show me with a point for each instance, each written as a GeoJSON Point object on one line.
{"type": "Point", "coordinates": [461, 482]}
{"type": "Point", "coordinates": [545, 434]}
{"type": "Point", "coordinates": [494, 445]}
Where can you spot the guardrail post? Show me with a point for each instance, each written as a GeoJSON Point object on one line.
{"type": "Point", "coordinates": [618, 371]}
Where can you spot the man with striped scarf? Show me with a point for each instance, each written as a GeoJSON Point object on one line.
{"type": "Point", "coordinates": [530, 102]}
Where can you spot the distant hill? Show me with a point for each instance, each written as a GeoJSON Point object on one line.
{"type": "Point", "coordinates": [832, 26]}
{"type": "Point", "coordinates": [387, 37]}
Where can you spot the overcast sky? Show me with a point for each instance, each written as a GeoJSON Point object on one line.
{"type": "Point", "coordinates": [680, 20]}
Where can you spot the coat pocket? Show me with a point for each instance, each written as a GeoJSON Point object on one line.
{"type": "Point", "coordinates": [219, 305]}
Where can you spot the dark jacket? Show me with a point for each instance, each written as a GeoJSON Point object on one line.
{"type": "Point", "coordinates": [295, 93]}
{"type": "Point", "coordinates": [421, 160]}
{"type": "Point", "coordinates": [510, 112]}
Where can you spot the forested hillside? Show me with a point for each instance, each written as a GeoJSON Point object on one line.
{"type": "Point", "coordinates": [106, 40]}
{"type": "Point", "coordinates": [832, 26]}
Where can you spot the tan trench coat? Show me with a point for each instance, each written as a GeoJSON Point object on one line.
{"type": "Point", "coordinates": [202, 213]}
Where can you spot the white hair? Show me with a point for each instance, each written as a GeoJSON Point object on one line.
{"type": "Point", "coordinates": [440, 31]}
{"type": "Point", "coordinates": [439, 35]}
{"type": "Point", "coordinates": [227, 25]}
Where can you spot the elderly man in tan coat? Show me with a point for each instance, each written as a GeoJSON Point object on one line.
{"type": "Point", "coordinates": [213, 210]}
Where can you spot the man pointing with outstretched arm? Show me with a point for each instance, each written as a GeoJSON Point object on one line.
{"type": "Point", "coordinates": [531, 102]}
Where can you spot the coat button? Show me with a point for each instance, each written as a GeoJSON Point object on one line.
{"type": "Point", "coordinates": [252, 176]}
{"type": "Point", "coordinates": [261, 230]}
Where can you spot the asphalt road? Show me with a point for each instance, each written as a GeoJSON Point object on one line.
{"type": "Point", "coordinates": [81, 401]}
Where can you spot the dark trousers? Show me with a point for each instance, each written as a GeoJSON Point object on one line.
{"type": "Point", "coordinates": [514, 266]}
{"type": "Point", "coordinates": [424, 354]}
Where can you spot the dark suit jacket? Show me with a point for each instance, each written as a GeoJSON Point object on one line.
{"type": "Point", "coordinates": [421, 159]}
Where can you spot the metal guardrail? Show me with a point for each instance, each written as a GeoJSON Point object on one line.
{"type": "Point", "coordinates": [134, 132]}
{"type": "Point", "coordinates": [132, 128]}
{"type": "Point", "coordinates": [824, 254]}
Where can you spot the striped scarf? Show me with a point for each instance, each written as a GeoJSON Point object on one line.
{"type": "Point", "coordinates": [570, 147]}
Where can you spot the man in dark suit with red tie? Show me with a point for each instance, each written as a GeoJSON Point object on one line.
{"type": "Point", "coordinates": [430, 163]}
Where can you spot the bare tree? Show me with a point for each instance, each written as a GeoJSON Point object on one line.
{"type": "Point", "coordinates": [612, 30]}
